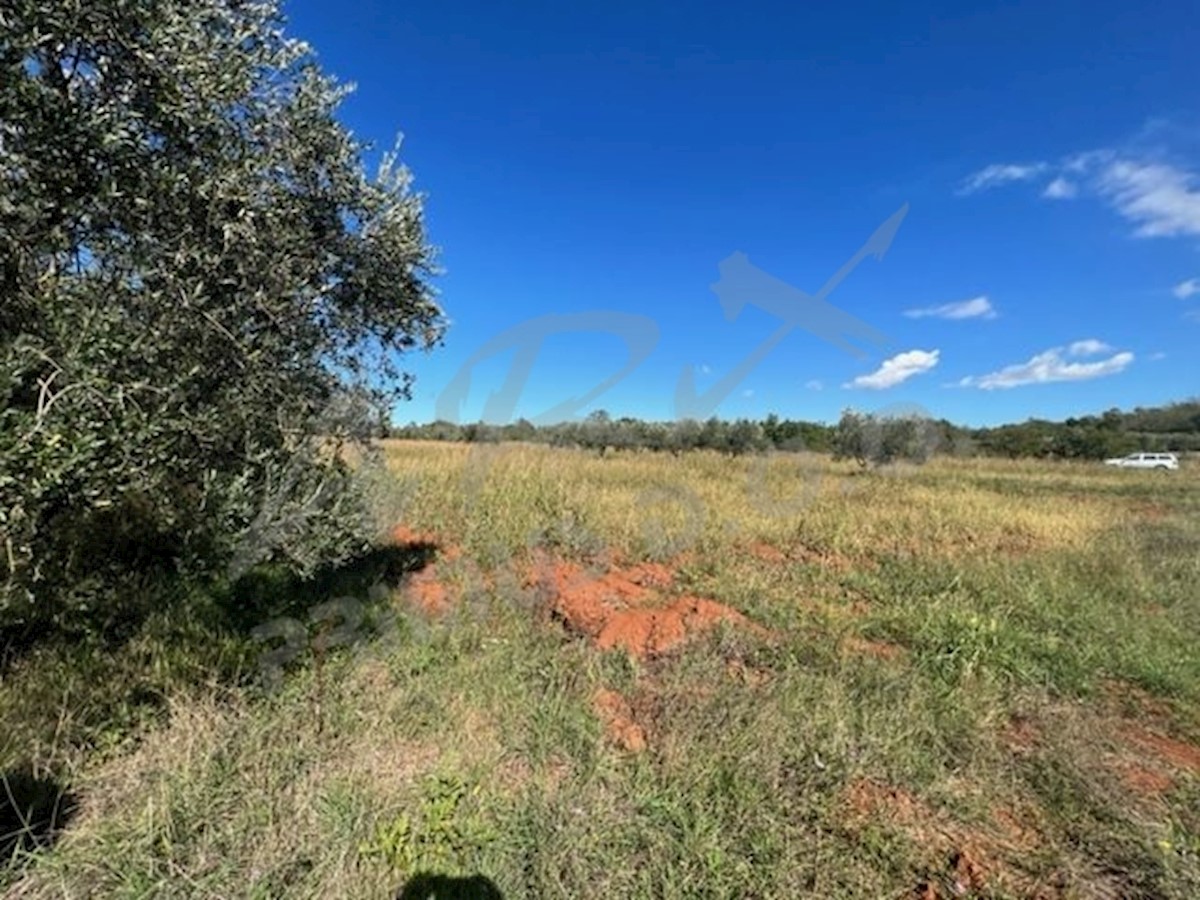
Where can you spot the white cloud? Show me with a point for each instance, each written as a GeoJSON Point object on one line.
{"type": "Point", "coordinates": [815, 385]}
{"type": "Point", "coordinates": [1088, 347]}
{"type": "Point", "coordinates": [975, 308]}
{"type": "Point", "coordinates": [899, 368]}
{"type": "Point", "coordinates": [1081, 163]}
{"type": "Point", "coordinates": [998, 174]}
{"type": "Point", "coordinates": [748, 393]}
{"type": "Point", "coordinates": [1186, 289]}
{"type": "Point", "coordinates": [1050, 366]}
{"type": "Point", "coordinates": [1161, 199]}
{"type": "Point", "coordinates": [1156, 357]}
{"type": "Point", "coordinates": [1061, 189]}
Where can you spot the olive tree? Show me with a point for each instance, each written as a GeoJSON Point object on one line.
{"type": "Point", "coordinates": [203, 297]}
{"type": "Point", "coordinates": [878, 440]}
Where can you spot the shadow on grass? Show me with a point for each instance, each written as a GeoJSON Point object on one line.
{"type": "Point", "coordinates": [427, 886]}
{"type": "Point", "coordinates": [268, 593]}
{"type": "Point", "coordinates": [169, 607]}
{"type": "Point", "coordinates": [111, 684]}
{"type": "Point", "coordinates": [33, 812]}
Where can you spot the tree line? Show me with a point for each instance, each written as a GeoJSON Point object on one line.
{"type": "Point", "coordinates": [865, 437]}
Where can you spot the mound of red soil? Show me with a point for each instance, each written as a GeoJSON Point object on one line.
{"type": "Point", "coordinates": [623, 608]}
{"type": "Point", "coordinates": [650, 632]}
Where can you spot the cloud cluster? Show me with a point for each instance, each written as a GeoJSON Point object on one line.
{"type": "Point", "coordinates": [1061, 189]}
{"type": "Point", "coordinates": [900, 367]}
{"type": "Point", "coordinates": [1088, 347]}
{"type": "Point", "coordinates": [1159, 198]}
{"type": "Point", "coordinates": [975, 308]}
{"type": "Point", "coordinates": [998, 174]}
{"type": "Point", "coordinates": [1055, 364]}
{"type": "Point", "coordinates": [1186, 289]}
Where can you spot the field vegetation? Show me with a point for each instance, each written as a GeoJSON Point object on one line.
{"type": "Point", "coordinates": [565, 675]}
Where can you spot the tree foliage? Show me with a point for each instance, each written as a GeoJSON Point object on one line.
{"type": "Point", "coordinates": [872, 440]}
{"type": "Point", "coordinates": [601, 432]}
{"type": "Point", "coordinates": [203, 295]}
{"type": "Point", "coordinates": [1175, 427]}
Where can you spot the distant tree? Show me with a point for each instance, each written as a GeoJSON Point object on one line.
{"type": "Point", "coordinates": [744, 436]}
{"type": "Point", "coordinates": [714, 435]}
{"type": "Point", "coordinates": [521, 430]}
{"type": "Point", "coordinates": [852, 438]}
{"type": "Point", "coordinates": [684, 435]}
{"type": "Point", "coordinates": [878, 440]}
{"type": "Point", "coordinates": [655, 436]}
{"type": "Point", "coordinates": [204, 295]}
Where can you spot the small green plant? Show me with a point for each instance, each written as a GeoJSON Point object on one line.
{"type": "Point", "coordinates": [438, 837]}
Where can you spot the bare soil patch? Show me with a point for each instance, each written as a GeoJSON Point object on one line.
{"type": "Point", "coordinates": [802, 553]}
{"type": "Point", "coordinates": [1021, 735]}
{"type": "Point", "coordinates": [883, 650]}
{"type": "Point", "coordinates": [626, 608]}
{"type": "Point", "coordinates": [968, 861]}
{"type": "Point", "coordinates": [1175, 753]}
{"type": "Point", "coordinates": [425, 588]}
{"type": "Point", "coordinates": [617, 715]}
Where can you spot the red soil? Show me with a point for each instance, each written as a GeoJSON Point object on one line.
{"type": "Point", "coordinates": [767, 553]}
{"type": "Point", "coordinates": [971, 861]}
{"type": "Point", "coordinates": [1144, 781]}
{"type": "Point", "coordinates": [404, 536]}
{"type": "Point", "coordinates": [616, 714]}
{"type": "Point", "coordinates": [651, 632]}
{"type": "Point", "coordinates": [868, 800]}
{"type": "Point", "coordinates": [799, 552]}
{"type": "Point", "coordinates": [1014, 829]}
{"type": "Point", "coordinates": [1132, 702]}
{"type": "Point", "coordinates": [623, 608]}
{"type": "Point", "coordinates": [427, 592]}
{"type": "Point", "coordinates": [618, 608]}
{"type": "Point", "coordinates": [751, 675]}
{"type": "Point", "coordinates": [424, 588]}
{"type": "Point", "coordinates": [969, 873]}
{"type": "Point", "coordinates": [875, 649]}
{"type": "Point", "coordinates": [1176, 753]}
{"type": "Point", "coordinates": [1021, 736]}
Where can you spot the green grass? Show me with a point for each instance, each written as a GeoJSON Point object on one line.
{"type": "Point", "coordinates": [1039, 620]}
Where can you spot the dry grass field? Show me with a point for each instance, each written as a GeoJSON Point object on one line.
{"type": "Point", "coordinates": [649, 676]}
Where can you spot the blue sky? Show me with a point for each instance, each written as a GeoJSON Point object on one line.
{"type": "Point", "coordinates": [606, 158]}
